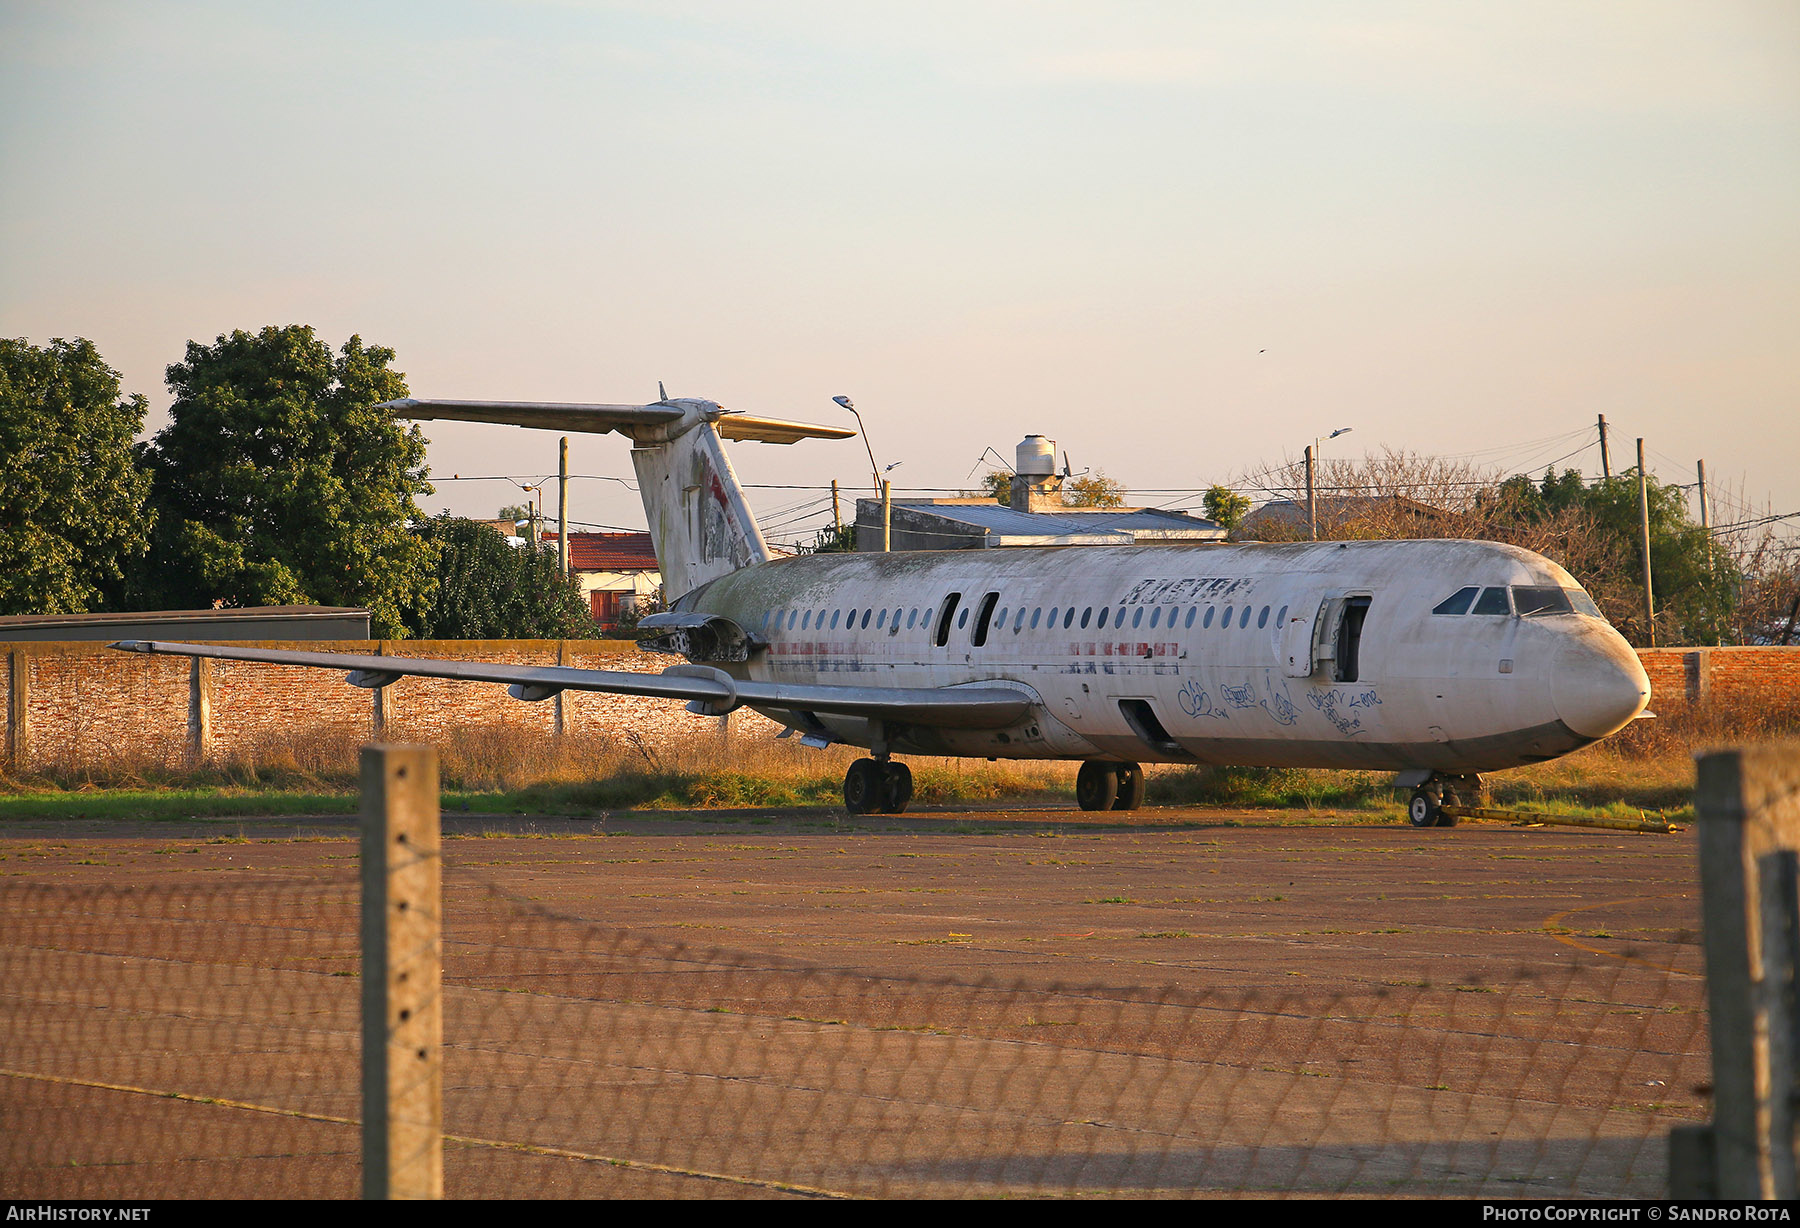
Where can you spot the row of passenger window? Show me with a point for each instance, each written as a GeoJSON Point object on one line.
{"type": "Point", "coordinates": [1525, 601]}
{"type": "Point", "coordinates": [886, 620]}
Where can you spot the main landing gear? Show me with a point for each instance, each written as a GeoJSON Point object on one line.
{"type": "Point", "coordinates": [883, 786]}
{"type": "Point", "coordinates": [1426, 809]}
{"type": "Point", "coordinates": [1109, 786]}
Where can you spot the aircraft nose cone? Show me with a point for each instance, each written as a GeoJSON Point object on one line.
{"type": "Point", "coordinates": [1598, 685]}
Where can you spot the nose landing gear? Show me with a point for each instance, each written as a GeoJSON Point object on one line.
{"type": "Point", "coordinates": [1426, 809]}
{"type": "Point", "coordinates": [1109, 786]}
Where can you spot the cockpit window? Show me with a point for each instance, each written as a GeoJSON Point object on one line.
{"type": "Point", "coordinates": [1583, 603]}
{"type": "Point", "coordinates": [1458, 603]}
{"type": "Point", "coordinates": [1492, 601]}
{"type": "Point", "coordinates": [1540, 600]}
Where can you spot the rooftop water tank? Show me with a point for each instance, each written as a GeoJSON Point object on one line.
{"type": "Point", "coordinates": [1036, 458]}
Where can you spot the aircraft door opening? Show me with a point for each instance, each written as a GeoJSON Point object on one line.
{"type": "Point", "coordinates": [944, 616]}
{"type": "Point", "coordinates": [1349, 639]}
{"type": "Point", "coordinates": [978, 636]}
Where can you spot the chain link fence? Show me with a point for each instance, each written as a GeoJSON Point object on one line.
{"type": "Point", "coordinates": [202, 1041]}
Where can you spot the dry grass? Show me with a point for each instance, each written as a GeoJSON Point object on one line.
{"type": "Point", "coordinates": [1648, 766]}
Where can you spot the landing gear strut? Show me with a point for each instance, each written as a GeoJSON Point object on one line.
{"type": "Point", "coordinates": [1109, 786]}
{"type": "Point", "coordinates": [870, 786]}
{"type": "Point", "coordinates": [1426, 809]}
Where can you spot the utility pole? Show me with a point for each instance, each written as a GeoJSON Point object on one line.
{"type": "Point", "coordinates": [562, 509]}
{"type": "Point", "coordinates": [1644, 517]}
{"type": "Point", "coordinates": [887, 515]}
{"type": "Point", "coordinates": [1312, 506]}
{"type": "Point", "coordinates": [836, 517]}
{"type": "Point", "coordinates": [1605, 456]}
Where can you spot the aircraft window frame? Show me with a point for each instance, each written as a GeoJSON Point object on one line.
{"type": "Point", "coordinates": [1086, 614]}
{"type": "Point", "coordinates": [925, 618]}
{"type": "Point", "coordinates": [1155, 617]}
{"type": "Point", "coordinates": [1281, 618]}
{"type": "Point", "coordinates": [1504, 600]}
{"type": "Point", "coordinates": [1104, 611]}
{"type": "Point", "coordinates": [1035, 611]}
{"type": "Point", "coordinates": [962, 620]}
{"type": "Point", "coordinates": [912, 618]}
{"type": "Point", "coordinates": [1019, 621]}
{"type": "Point", "coordinates": [1188, 622]}
{"type": "Point", "coordinates": [894, 622]}
{"type": "Point", "coordinates": [1207, 622]}
{"type": "Point", "coordinates": [806, 620]}
{"type": "Point", "coordinates": [1555, 599]}
{"type": "Point", "coordinates": [793, 617]}
{"type": "Point", "coordinates": [1225, 622]}
{"type": "Point", "coordinates": [881, 619]}
{"type": "Point", "coordinates": [850, 622]}
{"type": "Point", "coordinates": [1137, 618]}
{"type": "Point", "coordinates": [1262, 618]}
{"type": "Point", "coordinates": [1458, 603]}
{"type": "Point", "coordinates": [834, 619]}
{"type": "Point", "coordinates": [1068, 618]}
{"type": "Point", "coordinates": [867, 614]}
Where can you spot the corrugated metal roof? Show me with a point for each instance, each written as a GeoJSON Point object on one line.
{"type": "Point", "coordinates": [1143, 522]}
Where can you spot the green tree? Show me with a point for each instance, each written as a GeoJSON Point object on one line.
{"type": "Point", "coordinates": [835, 539]}
{"type": "Point", "coordinates": [1089, 490]}
{"type": "Point", "coordinates": [1695, 586]}
{"type": "Point", "coordinates": [277, 481]}
{"type": "Point", "coordinates": [71, 495]}
{"type": "Point", "coordinates": [1094, 490]}
{"type": "Point", "coordinates": [1226, 507]}
{"type": "Point", "coordinates": [486, 589]}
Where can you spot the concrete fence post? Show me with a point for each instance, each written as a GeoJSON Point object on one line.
{"type": "Point", "coordinates": [18, 709]}
{"type": "Point", "coordinates": [1748, 805]}
{"type": "Point", "coordinates": [402, 977]}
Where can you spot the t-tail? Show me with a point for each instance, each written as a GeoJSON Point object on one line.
{"type": "Point", "coordinates": [699, 521]}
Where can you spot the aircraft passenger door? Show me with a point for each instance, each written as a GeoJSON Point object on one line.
{"type": "Point", "coordinates": [1297, 641]}
{"type": "Point", "coordinates": [1329, 643]}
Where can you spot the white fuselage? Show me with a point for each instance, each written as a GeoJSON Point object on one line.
{"type": "Point", "coordinates": [1321, 654]}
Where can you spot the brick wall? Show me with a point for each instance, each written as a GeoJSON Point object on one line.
{"type": "Point", "coordinates": [1728, 679]}
{"type": "Point", "coordinates": [72, 703]}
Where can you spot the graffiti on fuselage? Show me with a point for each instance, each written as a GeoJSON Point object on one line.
{"type": "Point", "coordinates": [1337, 703]}
{"type": "Point", "coordinates": [1193, 588]}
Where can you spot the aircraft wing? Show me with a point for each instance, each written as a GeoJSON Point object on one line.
{"type": "Point", "coordinates": [707, 690]}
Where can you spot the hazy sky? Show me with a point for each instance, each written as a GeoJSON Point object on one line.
{"type": "Point", "coordinates": [1182, 239]}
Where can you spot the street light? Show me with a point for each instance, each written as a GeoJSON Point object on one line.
{"type": "Point", "coordinates": [874, 469]}
{"type": "Point", "coordinates": [1312, 453]}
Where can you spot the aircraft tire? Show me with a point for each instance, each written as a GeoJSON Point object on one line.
{"type": "Point", "coordinates": [1131, 787]}
{"type": "Point", "coordinates": [1426, 807]}
{"type": "Point", "coordinates": [1097, 785]}
{"type": "Point", "coordinates": [896, 787]}
{"type": "Point", "coordinates": [862, 786]}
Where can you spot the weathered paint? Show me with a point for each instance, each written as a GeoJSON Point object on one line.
{"type": "Point", "coordinates": [1454, 693]}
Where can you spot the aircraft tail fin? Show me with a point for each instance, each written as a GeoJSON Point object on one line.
{"type": "Point", "coordinates": [699, 521]}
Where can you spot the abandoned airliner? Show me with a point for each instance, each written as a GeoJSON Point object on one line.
{"type": "Point", "coordinates": [1436, 660]}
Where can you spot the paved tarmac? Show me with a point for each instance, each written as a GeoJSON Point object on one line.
{"type": "Point", "coordinates": [777, 1002]}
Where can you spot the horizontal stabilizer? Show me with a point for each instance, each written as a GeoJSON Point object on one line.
{"type": "Point", "coordinates": [544, 415]}
{"type": "Point", "coordinates": [776, 430]}
{"type": "Point", "coordinates": [961, 707]}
